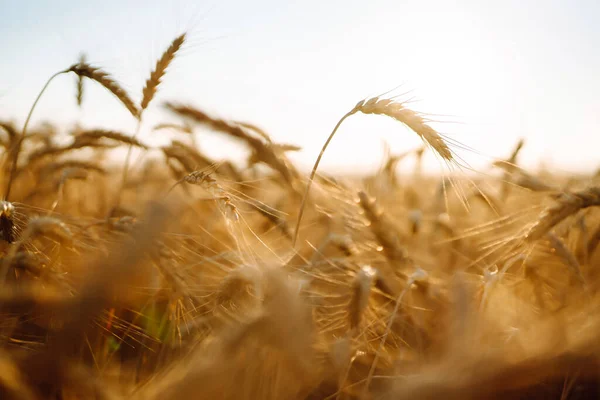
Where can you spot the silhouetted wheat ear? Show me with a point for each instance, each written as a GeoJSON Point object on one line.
{"type": "Point", "coordinates": [409, 118]}
{"type": "Point", "coordinates": [103, 78]}
{"type": "Point", "coordinates": [159, 71]}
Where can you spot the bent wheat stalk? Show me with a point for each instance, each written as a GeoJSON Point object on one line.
{"type": "Point", "coordinates": [392, 109]}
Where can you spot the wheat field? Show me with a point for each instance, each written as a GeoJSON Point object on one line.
{"type": "Point", "coordinates": [188, 277]}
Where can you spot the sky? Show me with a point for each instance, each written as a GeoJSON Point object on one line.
{"type": "Point", "coordinates": [488, 72]}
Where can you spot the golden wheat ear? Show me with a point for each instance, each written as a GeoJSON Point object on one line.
{"type": "Point", "coordinates": [84, 70]}
{"type": "Point", "coordinates": [408, 117]}
{"type": "Point", "coordinates": [392, 109]}
{"type": "Point", "coordinates": [159, 71]}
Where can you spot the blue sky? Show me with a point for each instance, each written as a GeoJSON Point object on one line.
{"type": "Point", "coordinates": [493, 71]}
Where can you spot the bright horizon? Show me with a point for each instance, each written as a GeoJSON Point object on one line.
{"type": "Point", "coordinates": [493, 71]}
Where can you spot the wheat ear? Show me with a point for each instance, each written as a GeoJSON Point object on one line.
{"type": "Point", "coordinates": [147, 95]}
{"type": "Point", "coordinates": [82, 69]}
{"type": "Point", "coordinates": [264, 151]}
{"type": "Point", "coordinates": [159, 71]}
{"type": "Point", "coordinates": [567, 205]}
{"type": "Point", "coordinates": [393, 110]}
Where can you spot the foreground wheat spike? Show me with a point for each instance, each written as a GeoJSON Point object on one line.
{"type": "Point", "coordinates": [85, 70]}
{"type": "Point", "coordinates": [159, 71]}
{"type": "Point", "coordinates": [568, 204]}
{"type": "Point", "coordinates": [392, 109]}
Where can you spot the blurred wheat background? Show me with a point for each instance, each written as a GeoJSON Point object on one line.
{"type": "Point", "coordinates": [321, 200]}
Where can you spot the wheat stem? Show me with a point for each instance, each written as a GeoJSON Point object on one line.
{"type": "Point", "coordinates": [312, 176]}
{"type": "Point", "coordinates": [15, 159]}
